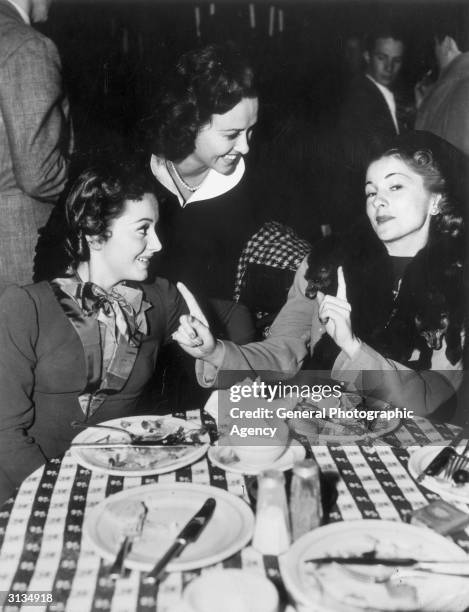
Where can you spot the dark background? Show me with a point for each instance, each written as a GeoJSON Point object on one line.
{"type": "Point", "coordinates": [116, 52]}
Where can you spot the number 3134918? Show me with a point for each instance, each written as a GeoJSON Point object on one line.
{"type": "Point", "coordinates": [33, 597]}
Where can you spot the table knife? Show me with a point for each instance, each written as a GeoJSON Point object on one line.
{"type": "Point", "coordinates": [129, 444]}
{"type": "Point", "coordinates": [439, 462]}
{"type": "Point", "coordinates": [190, 533]}
{"type": "Point", "coordinates": [388, 561]}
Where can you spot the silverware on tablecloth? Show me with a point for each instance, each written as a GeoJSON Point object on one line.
{"type": "Point", "coordinates": [439, 463]}
{"type": "Point", "coordinates": [131, 531]}
{"type": "Point", "coordinates": [190, 533]}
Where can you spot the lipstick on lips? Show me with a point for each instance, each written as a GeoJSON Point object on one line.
{"type": "Point", "coordinates": [380, 219]}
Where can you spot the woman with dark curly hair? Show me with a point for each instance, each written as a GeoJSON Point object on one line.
{"type": "Point", "coordinates": [199, 134]}
{"type": "Point", "coordinates": [83, 345]}
{"type": "Point", "coordinates": [383, 305]}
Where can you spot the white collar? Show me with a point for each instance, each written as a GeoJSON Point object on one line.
{"type": "Point", "coordinates": [383, 89]}
{"type": "Point", "coordinates": [213, 185]}
{"type": "Point", "coordinates": [21, 11]}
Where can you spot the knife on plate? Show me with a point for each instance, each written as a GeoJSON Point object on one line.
{"type": "Point", "coordinates": [438, 463]}
{"type": "Point", "coordinates": [141, 444]}
{"type": "Point", "coordinates": [189, 533]}
{"type": "Point", "coordinates": [388, 561]}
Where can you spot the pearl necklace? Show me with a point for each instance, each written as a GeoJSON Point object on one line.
{"type": "Point", "coordinates": [182, 181]}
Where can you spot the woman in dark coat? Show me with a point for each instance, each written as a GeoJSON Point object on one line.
{"type": "Point", "coordinates": [199, 134]}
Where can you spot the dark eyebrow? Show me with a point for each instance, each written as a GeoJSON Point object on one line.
{"type": "Point", "coordinates": [395, 173]}
{"type": "Point", "coordinates": [143, 219]}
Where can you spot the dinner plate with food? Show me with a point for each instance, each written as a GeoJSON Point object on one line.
{"type": "Point", "coordinates": [140, 445]}
{"type": "Point", "coordinates": [168, 507]}
{"type": "Point", "coordinates": [350, 418]}
{"type": "Point", "coordinates": [378, 566]}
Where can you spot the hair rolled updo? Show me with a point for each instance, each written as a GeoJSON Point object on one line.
{"type": "Point", "coordinates": [207, 81]}
{"type": "Point", "coordinates": [96, 198]}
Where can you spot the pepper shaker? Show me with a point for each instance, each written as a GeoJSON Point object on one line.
{"type": "Point", "coordinates": [305, 498]}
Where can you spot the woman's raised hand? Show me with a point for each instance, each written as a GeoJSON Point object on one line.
{"type": "Point", "coordinates": [334, 312]}
{"type": "Point", "coordinates": [193, 334]}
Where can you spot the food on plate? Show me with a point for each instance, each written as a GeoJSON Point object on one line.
{"type": "Point", "coordinates": [133, 458]}
{"type": "Point", "coordinates": [353, 417]}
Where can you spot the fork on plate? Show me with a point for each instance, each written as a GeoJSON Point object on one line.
{"type": "Point", "coordinates": [131, 531]}
{"type": "Point", "coordinates": [458, 461]}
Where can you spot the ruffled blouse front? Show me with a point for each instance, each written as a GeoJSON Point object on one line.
{"type": "Point", "coordinates": [110, 326]}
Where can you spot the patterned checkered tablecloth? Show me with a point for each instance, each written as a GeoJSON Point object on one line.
{"type": "Point", "coordinates": [41, 545]}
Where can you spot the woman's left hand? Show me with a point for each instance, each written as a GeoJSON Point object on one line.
{"type": "Point", "coordinates": [334, 312]}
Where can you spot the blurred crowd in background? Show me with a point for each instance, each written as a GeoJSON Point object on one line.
{"type": "Point", "coordinates": [306, 54]}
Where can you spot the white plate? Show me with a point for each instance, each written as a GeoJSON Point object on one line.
{"type": "Point", "coordinates": [170, 507]}
{"type": "Point", "coordinates": [241, 590]}
{"type": "Point", "coordinates": [283, 463]}
{"type": "Point", "coordinates": [420, 459]}
{"type": "Point", "coordinates": [334, 587]}
{"type": "Point", "coordinates": [348, 401]}
{"type": "Point", "coordinates": [137, 462]}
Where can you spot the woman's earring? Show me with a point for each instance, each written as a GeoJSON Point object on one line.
{"type": "Point", "coordinates": [94, 243]}
{"type": "Point", "coordinates": [435, 209]}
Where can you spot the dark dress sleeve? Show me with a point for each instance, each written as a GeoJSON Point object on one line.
{"type": "Point", "coordinates": [19, 455]}
{"type": "Point", "coordinates": [169, 306]}
{"type": "Point", "coordinates": [176, 306]}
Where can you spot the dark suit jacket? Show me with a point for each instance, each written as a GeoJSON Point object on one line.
{"type": "Point", "coordinates": [365, 121]}
{"type": "Point", "coordinates": [364, 126]}
{"type": "Point", "coordinates": [42, 373]}
{"type": "Point", "coordinates": [35, 140]}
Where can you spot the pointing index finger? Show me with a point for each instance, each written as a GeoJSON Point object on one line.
{"type": "Point", "coordinates": [341, 286]}
{"type": "Point", "coordinates": [192, 304]}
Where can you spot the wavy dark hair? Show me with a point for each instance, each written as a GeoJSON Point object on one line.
{"type": "Point", "coordinates": [207, 81]}
{"type": "Point", "coordinates": [96, 198]}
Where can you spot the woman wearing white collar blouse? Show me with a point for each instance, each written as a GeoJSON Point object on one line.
{"type": "Point", "coordinates": [199, 134]}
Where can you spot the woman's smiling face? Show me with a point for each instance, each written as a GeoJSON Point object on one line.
{"type": "Point", "coordinates": [220, 144]}
{"type": "Point", "coordinates": [132, 241]}
{"type": "Point", "coordinates": [398, 205]}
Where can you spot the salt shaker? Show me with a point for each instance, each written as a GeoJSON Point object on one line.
{"type": "Point", "coordinates": [305, 498]}
{"type": "Point", "coordinates": [272, 529]}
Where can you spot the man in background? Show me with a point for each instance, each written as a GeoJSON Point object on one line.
{"type": "Point", "coordinates": [445, 108]}
{"type": "Point", "coordinates": [35, 135]}
{"type": "Point", "coordinates": [368, 118]}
